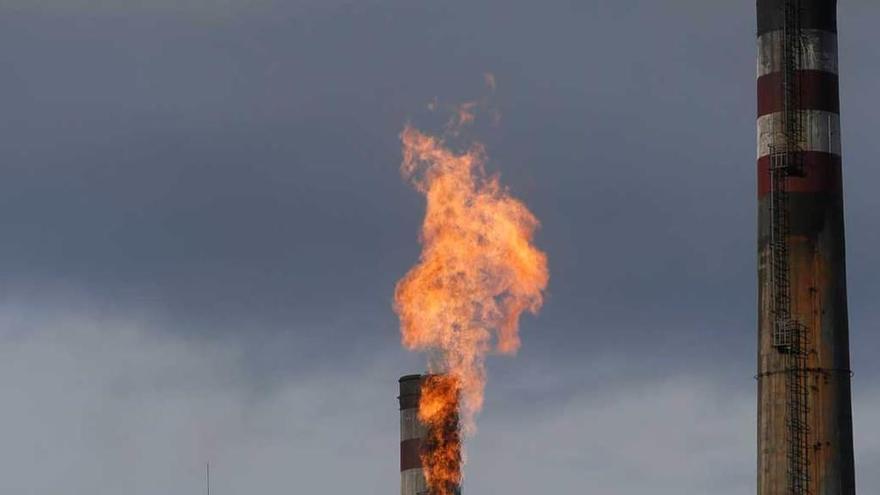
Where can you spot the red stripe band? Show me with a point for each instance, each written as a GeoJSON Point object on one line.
{"type": "Point", "coordinates": [810, 216]}
{"type": "Point", "coordinates": [409, 454]}
{"type": "Point", "coordinates": [822, 174]}
{"type": "Point", "coordinates": [818, 91]}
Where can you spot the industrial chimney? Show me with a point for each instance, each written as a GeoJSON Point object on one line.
{"type": "Point", "coordinates": [805, 438]}
{"type": "Point", "coordinates": [412, 480]}
{"type": "Point", "coordinates": [414, 438]}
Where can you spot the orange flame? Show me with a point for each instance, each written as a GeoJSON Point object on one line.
{"type": "Point", "coordinates": [477, 273]}
{"type": "Point", "coordinates": [441, 446]}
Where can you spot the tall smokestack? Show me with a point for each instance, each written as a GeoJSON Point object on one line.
{"type": "Point", "coordinates": [416, 439]}
{"type": "Point", "coordinates": [805, 444]}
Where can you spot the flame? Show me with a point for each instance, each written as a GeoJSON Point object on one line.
{"type": "Point", "coordinates": [441, 446]}
{"type": "Point", "coordinates": [478, 272]}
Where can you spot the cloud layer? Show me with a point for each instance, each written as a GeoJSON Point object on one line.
{"type": "Point", "coordinates": [203, 222]}
{"type": "Point", "coordinates": [97, 403]}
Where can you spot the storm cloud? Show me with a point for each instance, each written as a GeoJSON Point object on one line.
{"type": "Point", "coordinates": [203, 222]}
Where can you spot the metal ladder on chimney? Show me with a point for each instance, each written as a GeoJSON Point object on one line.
{"type": "Point", "coordinates": [790, 337]}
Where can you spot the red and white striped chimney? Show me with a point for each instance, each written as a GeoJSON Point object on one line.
{"type": "Point", "coordinates": [799, 123]}
{"type": "Point", "coordinates": [412, 480]}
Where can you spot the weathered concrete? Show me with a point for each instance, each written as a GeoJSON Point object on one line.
{"type": "Point", "coordinates": [412, 480]}
{"type": "Point", "coordinates": [817, 269]}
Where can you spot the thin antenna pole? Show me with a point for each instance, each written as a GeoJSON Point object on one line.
{"type": "Point", "coordinates": [208, 477]}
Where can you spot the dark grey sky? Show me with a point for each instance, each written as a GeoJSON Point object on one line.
{"type": "Point", "coordinates": [203, 222]}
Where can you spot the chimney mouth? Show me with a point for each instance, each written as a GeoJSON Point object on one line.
{"type": "Point", "coordinates": [410, 391]}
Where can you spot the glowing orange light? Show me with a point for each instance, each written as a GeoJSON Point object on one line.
{"type": "Point", "coordinates": [478, 272]}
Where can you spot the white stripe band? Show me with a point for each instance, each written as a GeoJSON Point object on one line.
{"type": "Point", "coordinates": [821, 132]}
{"type": "Point", "coordinates": [820, 52]}
{"type": "Point", "coordinates": [412, 482]}
{"type": "Point", "coordinates": [410, 426]}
